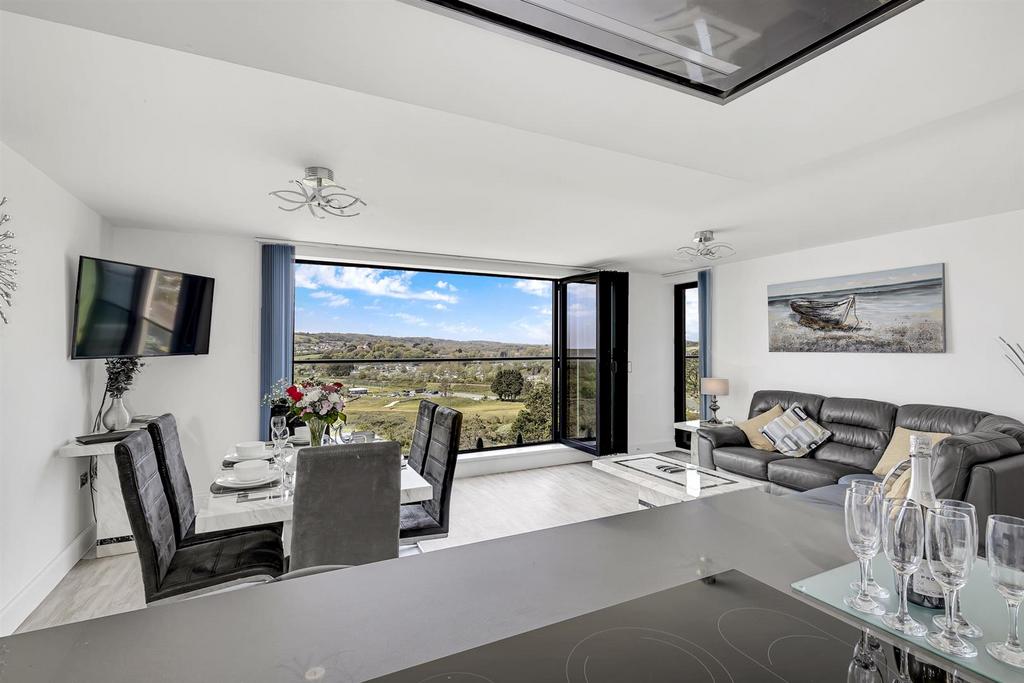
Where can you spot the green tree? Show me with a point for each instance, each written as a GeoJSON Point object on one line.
{"type": "Point", "coordinates": [508, 384]}
{"type": "Point", "coordinates": [534, 420]}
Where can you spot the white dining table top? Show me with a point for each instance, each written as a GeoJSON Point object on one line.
{"type": "Point", "coordinates": [264, 506]}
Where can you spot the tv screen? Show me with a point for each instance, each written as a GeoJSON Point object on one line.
{"type": "Point", "coordinates": [128, 310]}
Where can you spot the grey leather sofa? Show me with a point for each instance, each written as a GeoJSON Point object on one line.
{"type": "Point", "coordinates": [982, 463]}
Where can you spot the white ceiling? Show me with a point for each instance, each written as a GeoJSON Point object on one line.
{"type": "Point", "coordinates": [465, 141]}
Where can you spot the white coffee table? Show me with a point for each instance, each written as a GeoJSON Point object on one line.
{"type": "Point", "coordinates": [662, 480]}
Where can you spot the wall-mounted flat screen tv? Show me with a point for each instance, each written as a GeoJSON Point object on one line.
{"type": "Point", "coordinates": [129, 310]}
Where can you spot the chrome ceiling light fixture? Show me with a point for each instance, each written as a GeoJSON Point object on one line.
{"type": "Point", "coordinates": [320, 194]}
{"type": "Point", "coordinates": [706, 248]}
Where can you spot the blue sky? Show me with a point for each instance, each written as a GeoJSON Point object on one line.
{"type": "Point", "coordinates": [405, 303]}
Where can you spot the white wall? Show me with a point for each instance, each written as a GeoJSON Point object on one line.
{"type": "Point", "coordinates": [651, 382]}
{"type": "Point", "coordinates": [215, 397]}
{"type": "Point", "coordinates": [45, 518]}
{"type": "Point", "coordinates": [984, 284]}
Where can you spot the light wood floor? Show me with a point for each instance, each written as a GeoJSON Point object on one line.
{"type": "Point", "coordinates": [483, 508]}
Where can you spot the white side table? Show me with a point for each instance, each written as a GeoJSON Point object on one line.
{"type": "Point", "coordinates": [692, 426]}
{"type": "Point", "coordinates": [113, 531]}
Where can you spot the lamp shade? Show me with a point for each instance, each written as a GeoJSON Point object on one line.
{"type": "Point", "coordinates": [714, 386]}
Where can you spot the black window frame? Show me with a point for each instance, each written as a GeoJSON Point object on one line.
{"type": "Point", "coordinates": [553, 358]}
{"type": "Point", "coordinates": [680, 355]}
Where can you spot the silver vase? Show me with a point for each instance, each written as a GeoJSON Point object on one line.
{"type": "Point", "coordinates": [116, 416]}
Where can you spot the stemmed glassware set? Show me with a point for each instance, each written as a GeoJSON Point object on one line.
{"type": "Point", "coordinates": [946, 537]}
{"type": "Point", "coordinates": [284, 452]}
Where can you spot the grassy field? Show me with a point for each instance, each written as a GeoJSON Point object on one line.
{"type": "Point", "coordinates": [394, 417]}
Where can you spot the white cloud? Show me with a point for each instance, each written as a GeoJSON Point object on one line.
{"type": "Point", "coordinates": [410, 319]}
{"type": "Point", "coordinates": [533, 332]}
{"type": "Point", "coordinates": [534, 287]}
{"type": "Point", "coordinates": [542, 310]}
{"type": "Point", "coordinates": [335, 300]}
{"type": "Point", "coordinates": [439, 307]}
{"type": "Point", "coordinates": [372, 281]}
{"type": "Point", "coordinates": [441, 284]}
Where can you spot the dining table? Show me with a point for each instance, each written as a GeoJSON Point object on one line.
{"type": "Point", "coordinates": [242, 508]}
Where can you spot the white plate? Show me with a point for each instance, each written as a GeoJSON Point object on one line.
{"type": "Point", "coordinates": [296, 441]}
{"type": "Point", "coordinates": [235, 457]}
{"type": "Point", "coordinates": [229, 481]}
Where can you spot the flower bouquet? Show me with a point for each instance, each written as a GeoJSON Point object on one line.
{"type": "Point", "coordinates": [318, 405]}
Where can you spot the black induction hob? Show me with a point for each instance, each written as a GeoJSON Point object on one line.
{"type": "Point", "coordinates": [727, 629]}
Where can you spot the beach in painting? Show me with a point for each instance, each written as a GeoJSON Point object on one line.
{"type": "Point", "coordinates": [893, 311]}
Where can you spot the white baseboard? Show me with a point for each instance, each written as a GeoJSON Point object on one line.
{"type": "Point", "coordinates": [513, 459]}
{"type": "Point", "coordinates": [30, 597]}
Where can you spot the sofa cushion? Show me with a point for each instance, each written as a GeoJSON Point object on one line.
{"type": "Point", "coordinates": [794, 433]}
{"type": "Point", "coordinates": [752, 428]}
{"type": "Point", "coordinates": [860, 428]}
{"type": "Point", "coordinates": [807, 473]}
{"type": "Point", "coordinates": [898, 449]}
{"type": "Point", "coordinates": [765, 399]}
{"type": "Point", "coordinates": [750, 462]}
{"type": "Point", "coordinates": [928, 418]}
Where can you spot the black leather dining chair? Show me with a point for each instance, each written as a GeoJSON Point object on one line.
{"type": "Point", "coordinates": [429, 519]}
{"type": "Point", "coordinates": [346, 505]}
{"type": "Point", "coordinates": [178, 486]}
{"type": "Point", "coordinates": [171, 570]}
{"type": "Point", "coordinates": [421, 435]}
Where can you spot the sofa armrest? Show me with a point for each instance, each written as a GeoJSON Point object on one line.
{"type": "Point", "coordinates": [995, 489]}
{"type": "Point", "coordinates": [710, 438]}
{"type": "Point", "coordinates": [956, 456]}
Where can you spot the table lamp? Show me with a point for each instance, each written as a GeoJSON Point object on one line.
{"type": "Point", "coordinates": [714, 387]}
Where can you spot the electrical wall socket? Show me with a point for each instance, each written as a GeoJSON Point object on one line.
{"type": "Point", "coordinates": [83, 479]}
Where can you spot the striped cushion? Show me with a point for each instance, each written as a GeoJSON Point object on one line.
{"type": "Point", "coordinates": [794, 433]}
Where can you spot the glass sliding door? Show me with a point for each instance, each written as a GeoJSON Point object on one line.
{"type": "Point", "coordinates": [592, 365]}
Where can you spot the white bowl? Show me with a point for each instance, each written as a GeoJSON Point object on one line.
{"type": "Point", "coordinates": [250, 449]}
{"type": "Point", "coordinates": [302, 433]}
{"type": "Point", "coordinates": [252, 470]}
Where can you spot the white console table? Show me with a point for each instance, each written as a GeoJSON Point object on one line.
{"type": "Point", "coordinates": [113, 531]}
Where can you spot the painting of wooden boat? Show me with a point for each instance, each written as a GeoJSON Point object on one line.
{"type": "Point", "coordinates": [902, 310]}
{"type": "Point", "coordinates": [823, 314]}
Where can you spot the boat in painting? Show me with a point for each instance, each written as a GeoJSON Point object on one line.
{"type": "Point", "coordinates": [822, 314]}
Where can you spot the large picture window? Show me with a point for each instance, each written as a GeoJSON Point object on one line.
{"type": "Point", "coordinates": [481, 344]}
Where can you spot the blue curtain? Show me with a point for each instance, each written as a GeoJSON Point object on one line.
{"type": "Point", "coordinates": [277, 322]}
{"type": "Point", "coordinates": [704, 306]}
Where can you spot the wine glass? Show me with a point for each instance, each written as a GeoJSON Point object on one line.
{"type": "Point", "coordinates": [278, 431]}
{"type": "Point", "coordinates": [903, 541]}
{"type": "Point", "coordinates": [873, 588]}
{"type": "Point", "coordinates": [863, 510]}
{"type": "Point", "coordinates": [960, 623]}
{"type": "Point", "coordinates": [950, 546]}
{"type": "Point", "coordinates": [286, 461]}
{"type": "Point", "coordinates": [1004, 544]}
{"type": "Point", "coordinates": [863, 667]}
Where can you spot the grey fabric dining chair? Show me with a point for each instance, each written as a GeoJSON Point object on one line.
{"type": "Point", "coordinates": [421, 436]}
{"type": "Point", "coordinates": [346, 505]}
{"type": "Point", "coordinates": [429, 519]}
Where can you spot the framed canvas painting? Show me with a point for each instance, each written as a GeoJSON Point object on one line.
{"type": "Point", "coordinates": [888, 311]}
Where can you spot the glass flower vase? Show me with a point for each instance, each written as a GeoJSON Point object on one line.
{"type": "Point", "coordinates": [317, 427]}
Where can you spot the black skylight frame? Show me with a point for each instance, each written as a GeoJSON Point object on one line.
{"type": "Point", "coordinates": [554, 41]}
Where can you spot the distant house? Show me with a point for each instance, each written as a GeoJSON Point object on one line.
{"type": "Point", "coordinates": [358, 391]}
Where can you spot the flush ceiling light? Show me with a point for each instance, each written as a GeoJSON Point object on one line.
{"type": "Point", "coordinates": [706, 248]}
{"type": "Point", "coordinates": [319, 193]}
